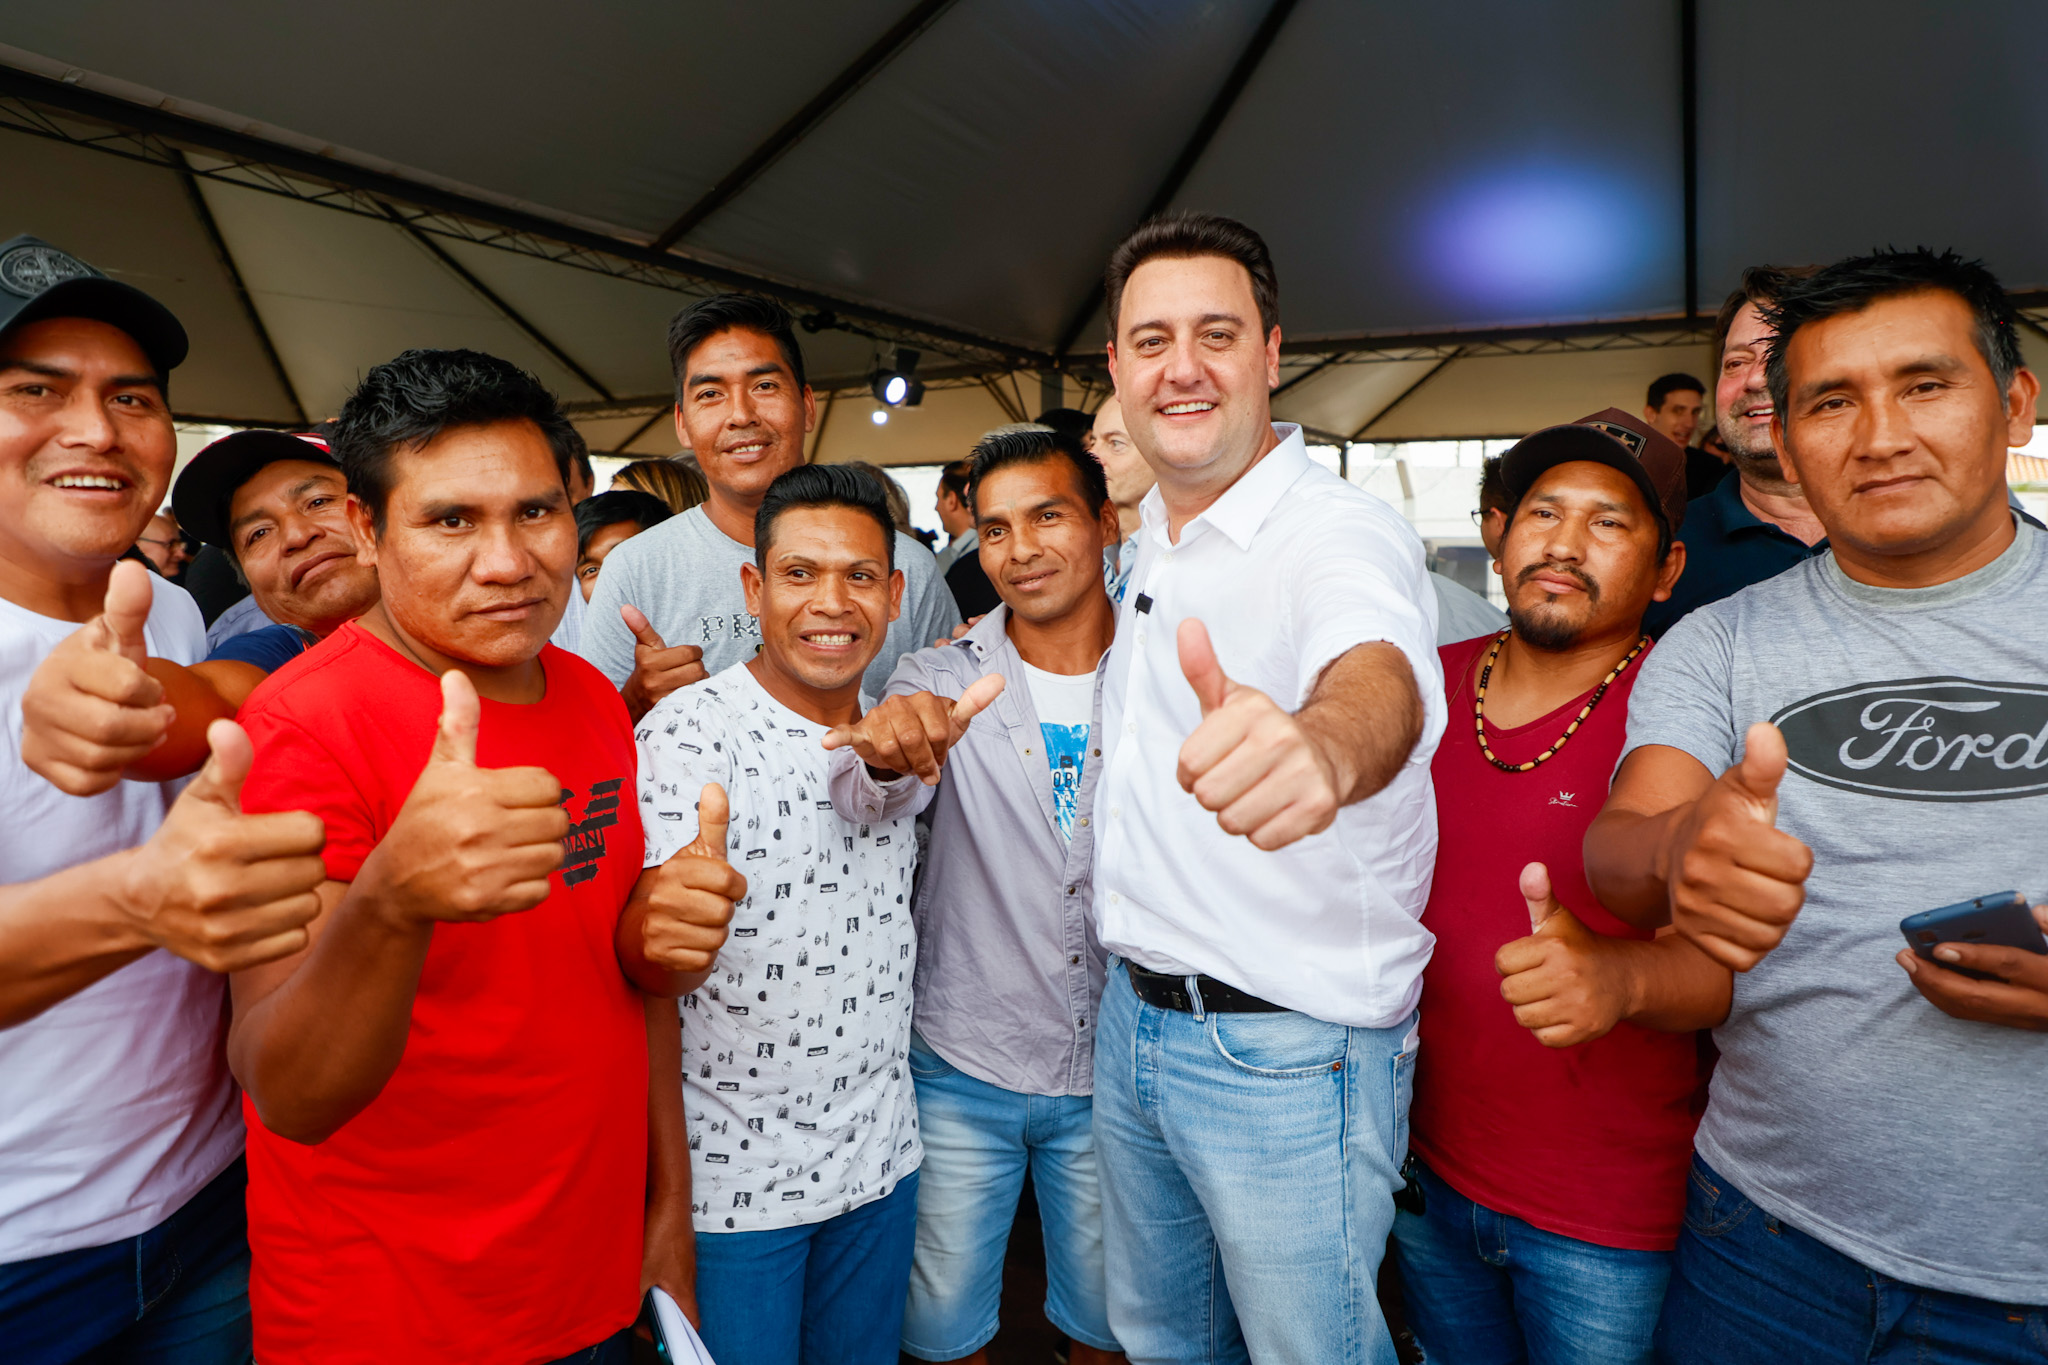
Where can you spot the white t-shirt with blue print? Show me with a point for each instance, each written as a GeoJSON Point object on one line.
{"type": "Point", "coordinates": [1066, 707]}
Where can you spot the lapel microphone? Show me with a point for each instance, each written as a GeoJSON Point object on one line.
{"type": "Point", "coordinates": [1144, 603]}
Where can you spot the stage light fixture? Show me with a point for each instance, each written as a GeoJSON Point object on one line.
{"type": "Point", "coordinates": [879, 417]}
{"type": "Point", "coordinates": [899, 387]}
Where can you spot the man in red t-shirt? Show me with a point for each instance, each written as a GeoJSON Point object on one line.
{"type": "Point", "coordinates": [1556, 1086]}
{"type": "Point", "coordinates": [449, 1094]}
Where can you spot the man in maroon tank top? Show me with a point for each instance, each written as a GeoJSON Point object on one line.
{"type": "Point", "coordinates": [1556, 1086]}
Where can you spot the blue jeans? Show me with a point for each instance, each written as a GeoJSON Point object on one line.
{"type": "Point", "coordinates": [1485, 1288]}
{"type": "Point", "coordinates": [978, 1139]}
{"type": "Point", "coordinates": [1249, 1163]}
{"type": "Point", "coordinates": [1747, 1287]}
{"type": "Point", "coordinates": [175, 1295]}
{"type": "Point", "coordinates": [827, 1293]}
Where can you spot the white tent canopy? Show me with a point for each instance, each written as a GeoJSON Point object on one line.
{"type": "Point", "coordinates": [1486, 217]}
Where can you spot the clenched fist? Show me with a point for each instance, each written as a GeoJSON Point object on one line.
{"type": "Point", "coordinates": [689, 898]}
{"type": "Point", "coordinates": [470, 844]}
{"type": "Point", "coordinates": [223, 889]}
{"type": "Point", "coordinates": [1736, 880]}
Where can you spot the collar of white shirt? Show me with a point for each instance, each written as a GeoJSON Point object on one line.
{"type": "Point", "coordinates": [1245, 505]}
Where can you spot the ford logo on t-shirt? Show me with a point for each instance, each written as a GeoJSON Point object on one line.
{"type": "Point", "coordinates": [1924, 739]}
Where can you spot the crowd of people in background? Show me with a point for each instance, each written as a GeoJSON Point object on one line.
{"type": "Point", "coordinates": [507, 900]}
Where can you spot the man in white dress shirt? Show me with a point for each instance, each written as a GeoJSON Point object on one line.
{"type": "Point", "coordinates": [1266, 830]}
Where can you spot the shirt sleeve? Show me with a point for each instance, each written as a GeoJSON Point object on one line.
{"type": "Point", "coordinates": [604, 641]}
{"type": "Point", "coordinates": [270, 648]}
{"type": "Point", "coordinates": [858, 795]}
{"type": "Point", "coordinates": [294, 771]}
{"type": "Point", "coordinates": [1359, 584]}
{"type": "Point", "coordinates": [1684, 697]}
{"type": "Point", "coordinates": [683, 745]}
{"type": "Point", "coordinates": [931, 605]}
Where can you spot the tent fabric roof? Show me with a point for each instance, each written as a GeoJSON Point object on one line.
{"type": "Point", "coordinates": [1486, 217]}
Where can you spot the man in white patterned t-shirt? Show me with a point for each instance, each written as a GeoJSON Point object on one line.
{"type": "Point", "coordinates": [803, 1124]}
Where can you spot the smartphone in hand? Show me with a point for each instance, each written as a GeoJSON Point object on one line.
{"type": "Point", "coordinates": [2002, 919]}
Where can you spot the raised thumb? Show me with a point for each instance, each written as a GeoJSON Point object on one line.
{"type": "Point", "coordinates": [227, 766]}
{"type": "Point", "coordinates": [714, 813]}
{"type": "Point", "coordinates": [126, 610]}
{"type": "Point", "coordinates": [461, 715]}
{"type": "Point", "coordinates": [1198, 664]}
{"type": "Point", "coordinates": [1536, 890]}
{"type": "Point", "coordinates": [642, 628]}
{"type": "Point", "coordinates": [975, 700]}
{"type": "Point", "coordinates": [1763, 765]}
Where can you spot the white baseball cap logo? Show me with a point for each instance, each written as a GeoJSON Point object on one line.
{"type": "Point", "coordinates": [32, 267]}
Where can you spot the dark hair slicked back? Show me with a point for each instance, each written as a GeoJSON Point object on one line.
{"type": "Point", "coordinates": [615, 505]}
{"type": "Point", "coordinates": [413, 398]}
{"type": "Point", "coordinates": [1183, 235]}
{"type": "Point", "coordinates": [822, 485]}
{"type": "Point", "coordinates": [1851, 285]}
{"type": "Point", "coordinates": [1760, 284]}
{"type": "Point", "coordinates": [1031, 444]}
{"type": "Point", "coordinates": [1664, 386]}
{"type": "Point", "coordinates": [706, 318]}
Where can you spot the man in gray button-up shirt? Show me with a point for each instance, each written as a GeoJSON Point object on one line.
{"type": "Point", "coordinates": [1008, 969]}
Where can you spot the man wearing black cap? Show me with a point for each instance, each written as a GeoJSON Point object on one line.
{"type": "Point", "coordinates": [121, 1225]}
{"type": "Point", "coordinates": [1553, 1091]}
{"type": "Point", "coordinates": [275, 502]}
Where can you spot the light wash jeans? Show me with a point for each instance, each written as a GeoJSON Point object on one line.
{"type": "Point", "coordinates": [978, 1139]}
{"type": "Point", "coordinates": [1487, 1288]}
{"type": "Point", "coordinates": [1249, 1164]}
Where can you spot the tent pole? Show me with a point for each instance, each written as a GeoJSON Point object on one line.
{"type": "Point", "coordinates": [204, 213]}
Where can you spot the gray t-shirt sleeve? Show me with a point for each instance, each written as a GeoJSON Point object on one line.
{"type": "Point", "coordinates": [935, 613]}
{"type": "Point", "coordinates": [606, 643]}
{"type": "Point", "coordinates": [1685, 696]}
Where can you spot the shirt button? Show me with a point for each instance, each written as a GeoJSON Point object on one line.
{"type": "Point", "coordinates": [1080, 1023]}
{"type": "Point", "coordinates": [1116, 812]}
{"type": "Point", "coordinates": [1130, 727]}
{"type": "Point", "coordinates": [1070, 891]}
{"type": "Point", "coordinates": [1084, 822]}
{"type": "Point", "coordinates": [1115, 899]}
{"type": "Point", "coordinates": [1074, 959]}
{"type": "Point", "coordinates": [1141, 637]}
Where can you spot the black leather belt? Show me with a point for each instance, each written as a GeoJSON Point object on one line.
{"type": "Point", "coordinates": [1171, 993]}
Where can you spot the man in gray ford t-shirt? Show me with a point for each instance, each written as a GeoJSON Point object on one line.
{"type": "Point", "coordinates": [743, 408]}
{"type": "Point", "coordinates": [1871, 1177]}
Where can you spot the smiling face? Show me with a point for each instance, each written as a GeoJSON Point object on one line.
{"type": "Point", "coordinates": [1041, 544]}
{"type": "Point", "coordinates": [1194, 372]}
{"type": "Point", "coordinates": [1896, 428]}
{"type": "Point", "coordinates": [743, 414]}
{"type": "Point", "coordinates": [477, 547]}
{"type": "Point", "coordinates": [1579, 560]}
{"type": "Point", "coordinates": [288, 523]}
{"type": "Point", "coordinates": [1742, 399]}
{"type": "Point", "coordinates": [1679, 418]}
{"type": "Point", "coordinates": [825, 602]}
{"type": "Point", "coordinates": [86, 447]}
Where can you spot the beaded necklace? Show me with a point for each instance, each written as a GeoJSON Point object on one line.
{"type": "Point", "coordinates": [1479, 705]}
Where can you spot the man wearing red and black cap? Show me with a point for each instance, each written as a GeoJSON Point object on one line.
{"type": "Point", "coordinates": [1554, 1090]}
{"type": "Point", "coordinates": [121, 1224]}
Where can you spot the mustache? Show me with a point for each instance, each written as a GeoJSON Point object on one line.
{"type": "Point", "coordinates": [1580, 576]}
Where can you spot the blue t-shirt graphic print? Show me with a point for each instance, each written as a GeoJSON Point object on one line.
{"type": "Point", "coordinates": [1066, 750]}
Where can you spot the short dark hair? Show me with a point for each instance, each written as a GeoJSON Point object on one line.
{"type": "Point", "coordinates": [1073, 421]}
{"type": "Point", "coordinates": [415, 397]}
{"type": "Point", "coordinates": [1185, 234]}
{"type": "Point", "coordinates": [1493, 488]}
{"type": "Point", "coordinates": [1664, 386]}
{"type": "Point", "coordinates": [953, 478]}
{"type": "Point", "coordinates": [706, 318]}
{"type": "Point", "coordinates": [595, 513]}
{"type": "Point", "coordinates": [1850, 286]}
{"type": "Point", "coordinates": [1760, 285]}
{"type": "Point", "coordinates": [1008, 446]}
{"type": "Point", "coordinates": [822, 485]}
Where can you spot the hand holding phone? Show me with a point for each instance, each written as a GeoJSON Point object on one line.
{"type": "Point", "coordinates": [1988, 956]}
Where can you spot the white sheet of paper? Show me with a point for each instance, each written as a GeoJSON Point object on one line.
{"type": "Point", "coordinates": [685, 1347]}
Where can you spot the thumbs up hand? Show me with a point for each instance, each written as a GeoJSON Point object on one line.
{"type": "Point", "coordinates": [91, 709]}
{"type": "Point", "coordinates": [1737, 881]}
{"type": "Point", "coordinates": [1249, 761]}
{"type": "Point", "coordinates": [911, 733]}
{"type": "Point", "coordinates": [223, 889]}
{"type": "Point", "coordinates": [470, 843]}
{"type": "Point", "coordinates": [684, 907]}
{"type": "Point", "coordinates": [658, 668]}
{"type": "Point", "coordinates": [1567, 983]}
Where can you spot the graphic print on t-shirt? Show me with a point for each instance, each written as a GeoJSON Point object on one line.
{"type": "Point", "coordinates": [1066, 750]}
{"type": "Point", "coordinates": [584, 847]}
{"type": "Point", "coordinates": [1923, 739]}
{"type": "Point", "coordinates": [794, 1084]}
